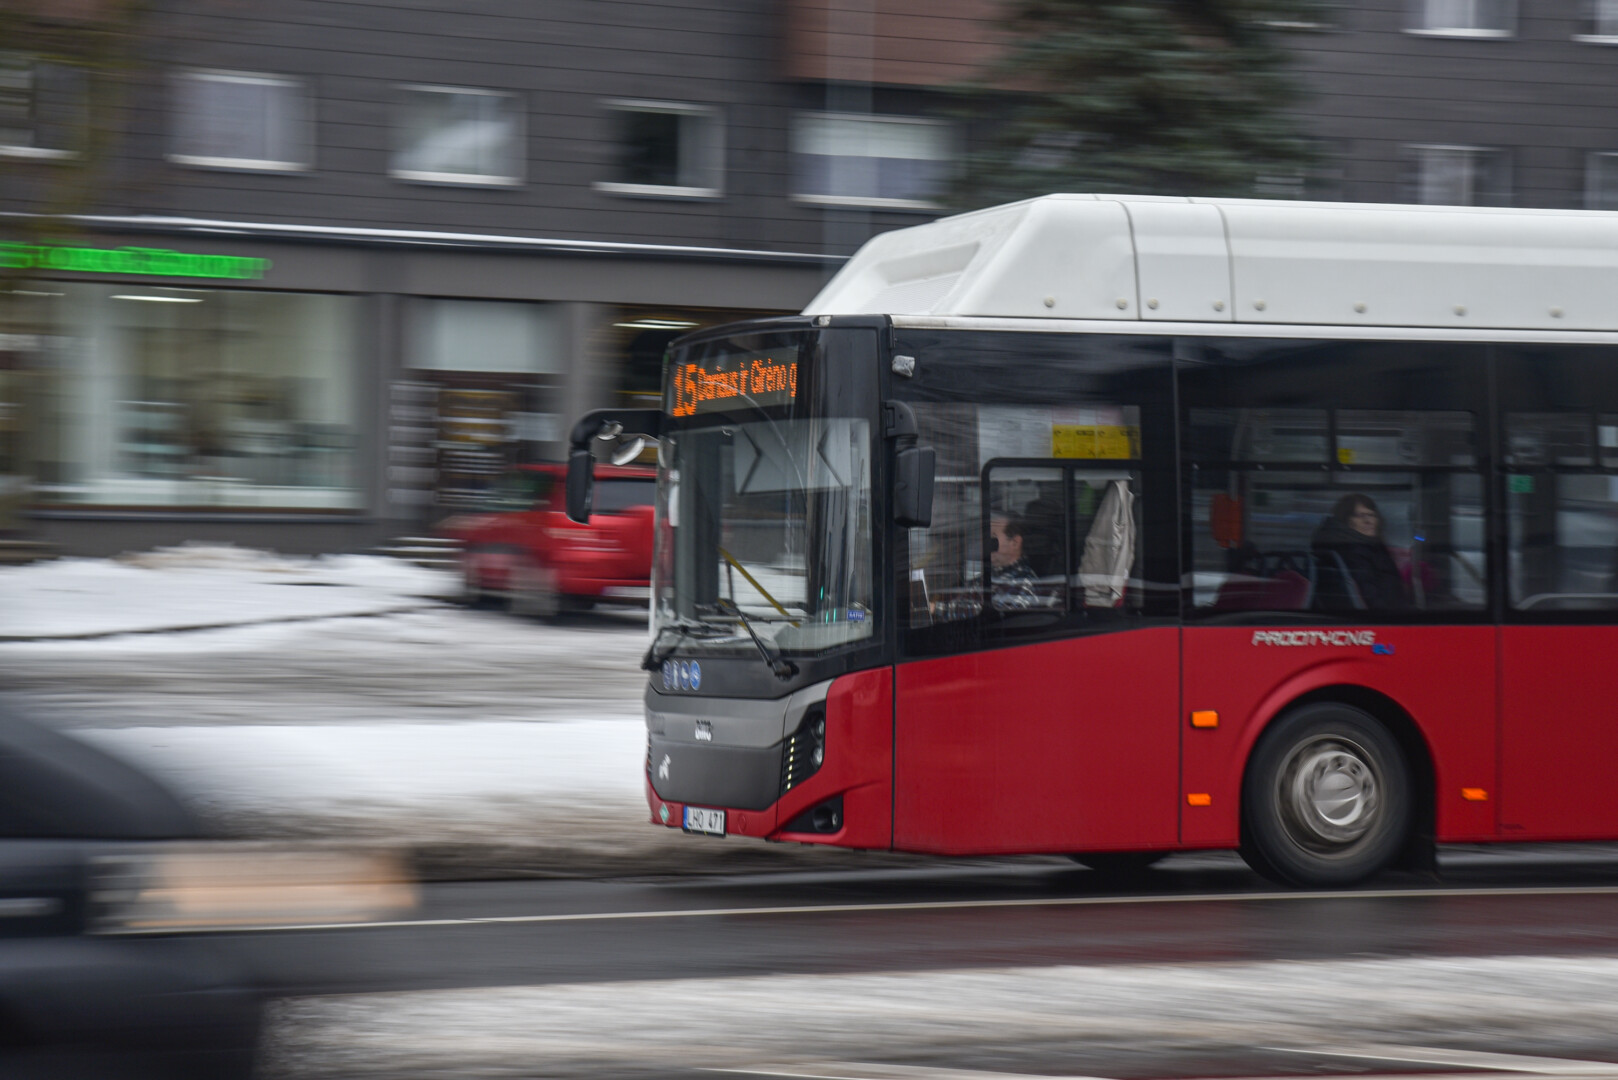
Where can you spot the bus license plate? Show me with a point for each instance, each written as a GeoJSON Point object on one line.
{"type": "Point", "coordinates": [711, 822]}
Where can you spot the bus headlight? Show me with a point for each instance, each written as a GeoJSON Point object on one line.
{"type": "Point", "coordinates": [804, 751]}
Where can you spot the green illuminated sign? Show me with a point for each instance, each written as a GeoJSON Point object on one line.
{"type": "Point", "coordinates": [154, 262]}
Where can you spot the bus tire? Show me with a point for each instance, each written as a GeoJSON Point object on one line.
{"type": "Point", "coordinates": [1326, 800]}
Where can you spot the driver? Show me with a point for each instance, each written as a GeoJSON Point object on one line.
{"type": "Point", "coordinates": [1013, 579]}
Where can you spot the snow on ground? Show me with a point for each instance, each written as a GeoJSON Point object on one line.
{"type": "Point", "coordinates": [654, 1028]}
{"type": "Point", "coordinates": [484, 744]}
{"type": "Point", "coordinates": [202, 586]}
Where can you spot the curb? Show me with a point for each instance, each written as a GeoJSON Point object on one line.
{"type": "Point", "coordinates": [94, 635]}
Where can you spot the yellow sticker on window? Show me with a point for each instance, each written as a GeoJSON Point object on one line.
{"type": "Point", "coordinates": [1117, 441]}
{"type": "Point", "coordinates": [1345, 455]}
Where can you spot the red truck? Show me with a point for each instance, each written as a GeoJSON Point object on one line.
{"type": "Point", "coordinates": [522, 549]}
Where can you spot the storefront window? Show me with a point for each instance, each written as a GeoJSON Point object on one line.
{"type": "Point", "coordinates": [487, 379]}
{"type": "Point", "coordinates": [152, 396]}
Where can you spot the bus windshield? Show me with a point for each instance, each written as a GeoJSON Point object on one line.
{"type": "Point", "coordinates": [764, 506]}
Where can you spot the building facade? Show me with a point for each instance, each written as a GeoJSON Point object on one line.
{"type": "Point", "coordinates": [346, 259]}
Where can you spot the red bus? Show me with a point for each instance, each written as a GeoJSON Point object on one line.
{"type": "Point", "coordinates": [1115, 527]}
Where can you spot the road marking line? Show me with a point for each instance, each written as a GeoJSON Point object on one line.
{"type": "Point", "coordinates": [837, 1070]}
{"type": "Point", "coordinates": [919, 905]}
{"type": "Point", "coordinates": [1462, 1059]}
{"type": "Point", "coordinates": [856, 1071]}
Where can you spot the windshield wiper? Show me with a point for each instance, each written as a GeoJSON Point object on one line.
{"type": "Point", "coordinates": [784, 669]}
{"type": "Point", "coordinates": [682, 628]}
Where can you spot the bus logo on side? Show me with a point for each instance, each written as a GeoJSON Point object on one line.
{"type": "Point", "coordinates": [1320, 637]}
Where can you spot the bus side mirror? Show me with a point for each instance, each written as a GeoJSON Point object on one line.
{"type": "Point", "coordinates": [913, 486]}
{"type": "Point", "coordinates": [912, 467]}
{"type": "Point", "coordinates": [580, 484]}
{"type": "Point", "coordinates": [603, 424]}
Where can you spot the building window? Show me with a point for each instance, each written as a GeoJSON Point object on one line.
{"type": "Point", "coordinates": [842, 159]}
{"type": "Point", "coordinates": [235, 120]}
{"type": "Point", "coordinates": [455, 135]}
{"type": "Point", "coordinates": [495, 372]}
{"type": "Point", "coordinates": [666, 149]}
{"type": "Point", "coordinates": [1466, 18]}
{"type": "Point", "coordinates": [1323, 15]}
{"type": "Point", "coordinates": [220, 399]}
{"type": "Point", "coordinates": [1320, 180]}
{"type": "Point", "coordinates": [1601, 181]}
{"type": "Point", "coordinates": [41, 107]}
{"type": "Point", "coordinates": [1603, 21]}
{"type": "Point", "coordinates": [1459, 176]}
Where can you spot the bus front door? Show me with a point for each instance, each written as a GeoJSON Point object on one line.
{"type": "Point", "coordinates": [1059, 746]}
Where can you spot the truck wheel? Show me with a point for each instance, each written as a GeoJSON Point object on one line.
{"type": "Point", "coordinates": [533, 591]}
{"type": "Point", "coordinates": [472, 594]}
{"type": "Point", "coordinates": [1326, 800]}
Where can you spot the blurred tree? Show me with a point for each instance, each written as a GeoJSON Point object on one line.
{"type": "Point", "coordinates": [65, 68]}
{"type": "Point", "coordinates": [1173, 97]}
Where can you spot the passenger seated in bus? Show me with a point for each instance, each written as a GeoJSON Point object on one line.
{"type": "Point", "coordinates": [1013, 579]}
{"type": "Point", "coordinates": [1366, 577]}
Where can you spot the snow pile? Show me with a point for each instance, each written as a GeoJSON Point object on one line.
{"type": "Point", "coordinates": [480, 743]}
{"type": "Point", "coordinates": [745, 1023]}
{"type": "Point", "coordinates": [203, 586]}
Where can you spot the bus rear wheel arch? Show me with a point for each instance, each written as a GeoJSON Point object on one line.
{"type": "Point", "coordinates": [1328, 797]}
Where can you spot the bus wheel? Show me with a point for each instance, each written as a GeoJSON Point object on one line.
{"type": "Point", "coordinates": [1117, 863]}
{"type": "Point", "coordinates": [1326, 799]}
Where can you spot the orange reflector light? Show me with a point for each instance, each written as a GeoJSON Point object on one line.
{"type": "Point", "coordinates": [1199, 799]}
{"type": "Point", "coordinates": [1474, 794]}
{"type": "Point", "coordinates": [1205, 718]}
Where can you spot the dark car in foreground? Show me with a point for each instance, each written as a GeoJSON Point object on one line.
{"type": "Point", "coordinates": [112, 899]}
{"type": "Point", "coordinates": [523, 549]}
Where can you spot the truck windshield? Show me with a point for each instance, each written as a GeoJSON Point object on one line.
{"type": "Point", "coordinates": [764, 508]}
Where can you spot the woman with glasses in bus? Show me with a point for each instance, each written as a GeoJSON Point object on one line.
{"type": "Point", "coordinates": [1355, 571]}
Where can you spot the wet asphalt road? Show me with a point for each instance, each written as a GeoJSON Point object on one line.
{"type": "Point", "coordinates": [1194, 908]}
{"type": "Point", "coordinates": [1195, 969]}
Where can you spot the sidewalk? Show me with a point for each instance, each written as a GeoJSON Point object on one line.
{"type": "Point", "coordinates": [201, 587]}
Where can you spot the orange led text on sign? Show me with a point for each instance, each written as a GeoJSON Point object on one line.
{"type": "Point", "coordinates": [695, 388]}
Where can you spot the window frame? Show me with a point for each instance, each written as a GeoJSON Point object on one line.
{"type": "Point", "coordinates": [31, 151]}
{"type": "Point", "coordinates": [1543, 378]}
{"type": "Point", "coordinates": [453, 179]}
{"type": "Point", "coordinates": [714, 151]}
{"type": "Point", "coordinates": [1206, 380]}
{"type": "Point", "coordinates": [301, 125]}
{"type": "Point", "coordinates": [874, 202]}
{"type": "Point", "coordinates": [950, 374]}
{"type": "Point", "coordinates": [1421, 7]}
{"type": "Point", "coordinates": [1600, 33]}
{"type": "Point", "coordinates": [1590, 159]}
{"type": "Point", "coordinates": [1413, 153]}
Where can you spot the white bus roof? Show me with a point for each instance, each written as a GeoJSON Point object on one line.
{"type": "Point", "coordinates": [1111, 257]}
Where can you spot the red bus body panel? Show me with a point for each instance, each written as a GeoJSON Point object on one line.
{"type": "Point", "coordinates": [1061, 746]}
{"type": "Point", "coordinates": [1086, 744]}
{"type": "Point", "coordinates": [859, 767]}
{"type": "Point", "coordinates": [1442, 676]}
{"type": "Point", "coordinates": [1559, 686]}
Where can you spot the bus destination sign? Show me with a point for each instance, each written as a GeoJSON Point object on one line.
{"type": "Point", "coordinates": [748, 382]}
